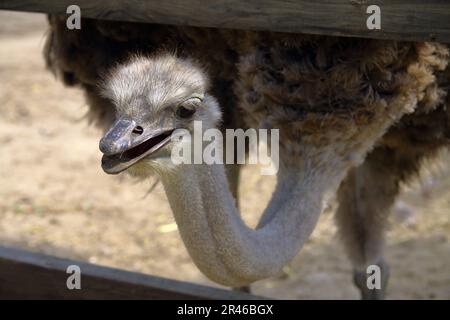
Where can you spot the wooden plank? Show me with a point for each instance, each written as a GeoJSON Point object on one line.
{"type": "Point", "coordinates": [415, 20]}
{"type": "Point", "coordinates": [27, 275]}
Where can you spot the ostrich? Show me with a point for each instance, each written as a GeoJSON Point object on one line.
{"type": "Point", "coordinates": [329, 95]}
{"type": "Point", "coordinates": [155, 96]}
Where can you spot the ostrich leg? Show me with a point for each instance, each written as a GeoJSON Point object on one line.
{"type": "Point", "coordinates": [365, 199]}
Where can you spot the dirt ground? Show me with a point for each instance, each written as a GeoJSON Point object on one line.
{"type": "Point", "coordinates": [55, 199]}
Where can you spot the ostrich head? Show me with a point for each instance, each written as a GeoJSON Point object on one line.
{"type": "Point", "coordinates": [153, 97]}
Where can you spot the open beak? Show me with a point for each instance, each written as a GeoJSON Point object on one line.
{"type": "Point", "coordinates": [126, 143]}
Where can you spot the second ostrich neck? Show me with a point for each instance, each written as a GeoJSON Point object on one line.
{"type": "Point", "coordinates": [220, 243]}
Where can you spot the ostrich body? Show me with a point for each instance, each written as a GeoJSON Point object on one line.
{"type": "Point", "coordinates": [325, 85]}
{"type": "Point", "coordinates": [335, 101]}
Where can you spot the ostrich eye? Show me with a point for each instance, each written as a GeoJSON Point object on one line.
{"type": "Point", "coordinates": [185, 111]}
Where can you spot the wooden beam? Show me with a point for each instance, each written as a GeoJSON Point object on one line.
{"type": "Point", "coordinates": [415, 20]}
{"type": "Point", "coordinates": [27, 275]}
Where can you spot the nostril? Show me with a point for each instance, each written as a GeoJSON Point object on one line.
{"type": "Point", "coordinates": [138, 130]}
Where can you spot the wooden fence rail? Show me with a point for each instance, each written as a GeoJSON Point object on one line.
{"type": "Point", "coordinates": [27, 275]}
{"type": "Point", "coordinates": [414, 20]}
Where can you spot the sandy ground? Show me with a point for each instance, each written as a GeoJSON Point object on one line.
{"type": "Point", "coordinates": [54, 197]}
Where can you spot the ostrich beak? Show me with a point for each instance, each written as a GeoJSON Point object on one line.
{"type": "Point", "coordinates": [118, 138]}
{"type": "Point", "coordinates": [126, 143]}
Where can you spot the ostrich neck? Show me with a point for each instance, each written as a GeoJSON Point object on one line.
{"type": "Point", "coordinates": [220, 243]}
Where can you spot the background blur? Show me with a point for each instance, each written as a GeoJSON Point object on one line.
{"type": "Point", "coordinates": [55, 198]}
